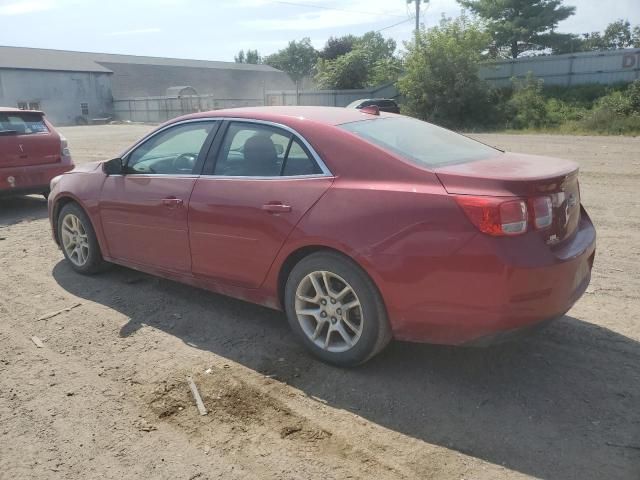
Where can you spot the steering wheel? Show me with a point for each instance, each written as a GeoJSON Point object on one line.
{"type": "Point", "coordinates": [184, 161]}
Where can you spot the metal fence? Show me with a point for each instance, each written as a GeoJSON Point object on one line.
{"type": "Point", "coordinates": [329, 98]}
{"type": "Point", "coordinates": [607, 67]}
{"type": "Point", "coordinates": [161, 109]}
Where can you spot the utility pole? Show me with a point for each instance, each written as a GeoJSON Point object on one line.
{"type": "Point", "coordinates": [417, 2]}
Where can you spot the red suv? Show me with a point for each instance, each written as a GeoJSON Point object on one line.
{"type": "Point", "coordinates": [31, 152]}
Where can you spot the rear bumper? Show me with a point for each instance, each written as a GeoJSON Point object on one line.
{"type": "Point", "coordinates": [492, 288]}
{"type": "Point", "coordinates": [31, 178]}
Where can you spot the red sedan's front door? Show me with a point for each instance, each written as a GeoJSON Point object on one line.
{"type": "Point", "coordinates": [237, 226]}
{"type": "Point", "coordinates": [145, 220]}
{"type": "Point", "coordinates": [144, 212]}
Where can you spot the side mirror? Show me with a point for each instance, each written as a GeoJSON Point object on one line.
{"type": "Point", "coordinates": [113, 167]}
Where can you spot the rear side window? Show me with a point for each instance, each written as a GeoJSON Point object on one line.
{"type": "Point", "coordinates": [422, 143]}
{"type": "Point", "coordinates": [253, 150]}
{"type": "Point", "coordinates": [298, 162]}
{"type": "Point", "coordinates": [22, 123]}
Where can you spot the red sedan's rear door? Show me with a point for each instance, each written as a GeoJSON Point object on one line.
{"type": "Point", "coordinates": [263, 181]}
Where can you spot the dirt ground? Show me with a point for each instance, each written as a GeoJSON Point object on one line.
{"type": "Point", "coordinates": [106, 396]}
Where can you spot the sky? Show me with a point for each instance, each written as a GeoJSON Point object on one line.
{"type": "Point", "coordinates": [218, 29]}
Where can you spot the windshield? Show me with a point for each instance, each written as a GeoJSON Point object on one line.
{"type": "Point", "coordinates": [423, 143]}
{"type": "Point", "coordinates": [356, 103]}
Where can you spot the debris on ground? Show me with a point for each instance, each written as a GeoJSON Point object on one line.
{"type": "Point", "coordinates": [196, 396]}
{"type": "Point", "coordinates": [47, 316]}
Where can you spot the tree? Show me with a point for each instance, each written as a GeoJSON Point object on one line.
{"type": "Point", "coordinates": [345, 72]}
{"type": "Point", "coordinates": [252, 56]}
{"type": "Point", "coordinates": [441, 82]}
{"type": "Point", "coordinates": [376, 46]}
{"type": "Point", "coordinates": [337, 46]}
{"type": "Point", "coordinates": [518, 25]}
{"type": "Point", "coordinates": [298, 59]}
{"type": "Point", "coordinates": [370, 62]}
{"type": "Point", "coordinates": [618, 34]}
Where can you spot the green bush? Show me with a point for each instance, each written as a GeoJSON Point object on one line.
{"type": "Point", "coordinates": [614, 111]}
{"type": "Point", "coordinates": [607, 122]}
{"type": "Point", "coordinates": [528, 105]}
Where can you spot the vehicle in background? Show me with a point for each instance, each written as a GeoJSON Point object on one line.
{"type": "Point", "coordinates": [360, 225]}
{"type": "Point", "coordinates": [31, 152]}
{"type": "Point", "coordinates": [383, 104]}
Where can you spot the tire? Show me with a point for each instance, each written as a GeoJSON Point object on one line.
{"type": "Point", "coordinates": [359, 314]}
{"type": "Point", "coordinates": [86, 258]}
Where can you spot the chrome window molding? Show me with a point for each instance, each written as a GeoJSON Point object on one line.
{"type": "Point", "coordinates": [150, 135]}
{"type": "Point", "coordinates": [155, 175]}
{"type": "Point", "coordinates": [273, 177]}
{"type": "Point", "coordinates": [323, 167]}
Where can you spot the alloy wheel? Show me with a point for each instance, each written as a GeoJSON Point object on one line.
{"type": "Point", "coordinates": [329, 311]}
{"type": "Point", "coordinates": [75, 240]}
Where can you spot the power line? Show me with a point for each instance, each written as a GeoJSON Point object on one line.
{"type": "Point", "coordinates": [321, 7]}
{"type": "Point", "coordinates": [395, 24]}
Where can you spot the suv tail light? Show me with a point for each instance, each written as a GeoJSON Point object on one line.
{"type": "Point", "coordinates": [64, 147]}
{"type": "Point", "coordinates": [498, 216]}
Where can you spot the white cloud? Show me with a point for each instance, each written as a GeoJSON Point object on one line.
{"type": "Point", "coordinates": [137, 31]}
{"type": "Point", "coordinates": [24, 7]}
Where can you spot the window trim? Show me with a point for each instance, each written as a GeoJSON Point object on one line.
{"type": "Point", "coordinates": [202, 155]}
{"type": "Point", "coordinates": [212, 157]}
{"type": "Point", "coordinates": [213, 143]}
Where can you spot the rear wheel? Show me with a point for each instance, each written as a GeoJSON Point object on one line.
{"type": "Point", "coordinates": [335, 308]}
{"type": "Point", "coordinates": [78, 240]}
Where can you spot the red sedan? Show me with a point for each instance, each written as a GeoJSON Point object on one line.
{"type": "Point", "coordinates": [31, 152]}
{"type": "Point", "coordinates": [360, 225]}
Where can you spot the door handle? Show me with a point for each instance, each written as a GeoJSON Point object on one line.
{"type": "Point", "coordinates": [172, 202]}
{"type": "Point", "coordinates": [276, 207]}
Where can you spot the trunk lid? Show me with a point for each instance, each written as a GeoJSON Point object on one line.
{"type": "Point", "coordinates": [524, 176]}
{"type": "Point", "coordinates": [26, 139]}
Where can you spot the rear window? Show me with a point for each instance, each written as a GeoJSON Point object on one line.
{"type": "Point", "coordinates": [420, 142]}
{"type": "Point", "coordinates": [22, 123]}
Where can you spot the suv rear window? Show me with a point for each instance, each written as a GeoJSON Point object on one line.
{"type": "Point", "coordinates": [422, 143]}
{"type": "Point", "coordinates": [22, 123]}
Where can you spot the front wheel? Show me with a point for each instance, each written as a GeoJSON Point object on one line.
{"type": "Point", "coordinates": [335, 308]}
{"type": "Point", "coordinates": [78, 240]}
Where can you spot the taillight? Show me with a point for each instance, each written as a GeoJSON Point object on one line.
{"type": "Point", "coordinates": [64, 147]}
{"type": "Point", "coordinates": [542, 211]}
{"type": "Point", "coordinates": [495, 216]}
{"type": "Point", "coordinates": [498, 216]}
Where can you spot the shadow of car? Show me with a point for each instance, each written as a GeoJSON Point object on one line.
{"type": "Point", "coordinates": [559, 405]}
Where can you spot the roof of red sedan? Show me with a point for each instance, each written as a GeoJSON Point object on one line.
{"type": "Point", "coordinates": [326, 115]}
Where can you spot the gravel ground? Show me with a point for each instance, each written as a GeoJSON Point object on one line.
{"type": "Point", "coordinates": [106, 396]}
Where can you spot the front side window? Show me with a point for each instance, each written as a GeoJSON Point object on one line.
{"type": "Point", "coordinates": [173, 151]}
{"type": "Point", "coordinates": [422, 143]}
{"type": "Point", "coordinates": [252, 150]}
{"type": "Point", "coordinates": [22, 123]}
